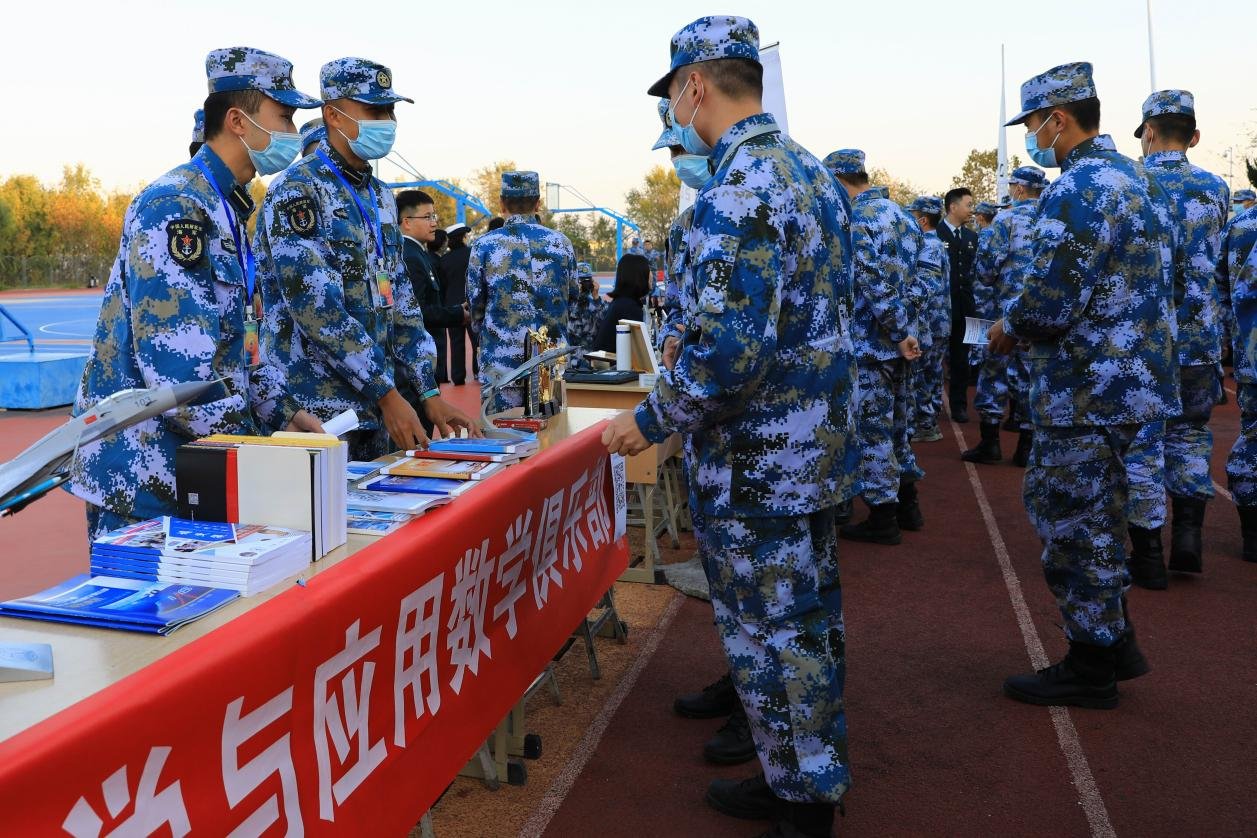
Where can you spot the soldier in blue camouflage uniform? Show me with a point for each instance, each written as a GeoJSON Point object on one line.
{"type": "Point", "coordinates": [1097, 311]}
{"type": "Point", "coordinates": [762, 389]}
{"type": "Point", "coordinates": [934, 319]}
{"type": "Point", "coordinates": [180, 301]}
{"type": "Point", "coordinates": [1004, 252]}
{"type": "Point", "coordinates": [1174, 456]}
{"type": "Point", "coordinates": [342, 320]}
{"type": "Point", "coordinates": [586, 309]}
{"type": "Point", "coordinates": [885, 245]}
{"type": "Point", "coordinates": [312, 133]}
{"type": "Point", "coordinates": [1241, 464]}
{"type": "Point", "coordinates": [520, 277]}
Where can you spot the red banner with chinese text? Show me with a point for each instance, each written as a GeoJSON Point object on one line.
{"type": "Point", "coordinates": [344, 706]}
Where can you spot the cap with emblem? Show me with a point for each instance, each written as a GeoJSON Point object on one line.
{"type": "Point", "coordinates": [707, 39]}
{"type": "Point", "coordinates": [198, 126]}
{"type": "Point", "coordinates": [1058, 86]}
{"type": "Point", "coordinates": [521, 185]}
{"type": "Point", "coordinates": [1166, 103]}
{"type": "Point", "coordinates": [669, 137]}
{"type": "Point", "coordinates": [1031, 176]}
{"type": "Point", "coordinates": [584, 270]}
{"type": "Point", "coordinates": [845, 161]}
{"type": "Point", "coordinates": [1244, 195]}
{"type": "Point", "coordinates": [359, 79]}
{"type": "Point", "coordinates": [985, 208]}
{"type": "Point", "coordinates": [456, 228]}
{"type": "Point", "coordinates": [312, 132]}
{"type": "Point", "coordinates": [928, 204]}
{"type": "Point", "coordinates": [245, 68]}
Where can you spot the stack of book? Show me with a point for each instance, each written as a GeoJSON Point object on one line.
{"type": "Point", "coordinates": [241, 557]}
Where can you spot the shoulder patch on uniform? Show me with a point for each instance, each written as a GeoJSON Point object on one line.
{"type": "Point", "coordinates": [300, 214]}
{"type": "Point", "coordinates": [186, 241]}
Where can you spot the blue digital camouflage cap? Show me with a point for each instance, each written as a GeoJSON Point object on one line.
{"type": "Point", "coordinates": [358, 79]}
{"type": "Point", "coordinates": [928, 204]}
{"type": "Point", "coordinates": [1244, 195]}
{"type": "Point", "coordinates": [1058, 86]}
{"type": "Point", "coordinates": [198, 126]}
{"type": "Point", "coordinates": [985, 208]}
{"type": "Point", "coordinates": [1031, 176]}
{"type": "Point", "coordinates": [707, 39]}
{"type": "Point", "coordinates": [1166, 102]}
{"type": "Point", "coordinates": [521, 185]}
{"type": "Point", "coordinates": [845, 161]}
{"type": "Point", "coordinates": [245, 68]}
{"type": "Point", "coordinates": [1006, 202]}
{"type": "Point", "coordinates": [313, 131]}
{"type": "Point", "coordinates": [583, 269]}
{"type": "Point", "coordinates": [669, 137]}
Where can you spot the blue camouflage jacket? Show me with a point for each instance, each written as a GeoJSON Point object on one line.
{"type": "Point", "coordinates": [1097, 303]}
{"type": "Point", "coordinates": [933, 270]}
{"type": "Point", "coordinates": [1005, 253]}
{"type": "Point", "coordinates": [764, 382]}
{"type": "Point", "coordinates": [174, 311]}
{"type": "Point", "coordinates": [1237, 286]}
{"type": "Point", "coordinates": [673, 325]}
{"type": "Point", "coordinates": [885, 243]}
{"type": "Point", "coordinates": [326, 325]}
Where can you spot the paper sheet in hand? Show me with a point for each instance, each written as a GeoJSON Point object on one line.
{"type": "Point", "coordinates": [341, 424]}
{"type": "Point", "coordinates": [976, 329]}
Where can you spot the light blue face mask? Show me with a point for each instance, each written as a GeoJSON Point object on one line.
{"type": "Point", "coordinates": [690, 140]}
{"type": "Point", "coordinates": [1045, 157]}
{"type": "Point", "coordinates": [375, 137]}
{"type": "Point", "coordinates": [1237, 207]}
{"type": "Point", "coordinates": [280, 151]}
{"type": "Point", "coordinates": [694, 170]}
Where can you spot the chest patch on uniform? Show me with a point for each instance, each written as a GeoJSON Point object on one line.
{"type": "Point", "coordinates": [300, 214]}
{"type": "Point", "coordinates": [185, 240]}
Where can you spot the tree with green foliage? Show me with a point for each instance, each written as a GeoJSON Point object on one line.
{"type": "Point", "coordinates": [979, 172]}
{"type": "Point", "coordinates": [653, 206]}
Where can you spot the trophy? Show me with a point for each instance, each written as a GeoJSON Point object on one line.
{"type": "Point", "coordinates": [540, 400]}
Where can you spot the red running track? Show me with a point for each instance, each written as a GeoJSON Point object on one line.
{"type": "Point", "coordinates": [936, 748]}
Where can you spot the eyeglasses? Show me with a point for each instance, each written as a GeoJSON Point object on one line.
{"type": "Point", "coordinates": [432, 216]}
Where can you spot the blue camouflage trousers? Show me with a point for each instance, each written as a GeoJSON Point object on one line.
{"type": "Point", "coordinates": [927, 385]}
{"type": "Point", "coordinates": [778, 604]}
{"type": "Point", "coordinates": [1241, 464]}
{"type": "Point", "coordinates": [1174, 455]}
{"type": "Point", "coordinates": [1075, 492]}
{"type": "Point", "coordinates": [1000, 378]}
{"type": "Point", "coordinates": [880, 390]}
{"type": "Point", "coordinates": [905, 423]}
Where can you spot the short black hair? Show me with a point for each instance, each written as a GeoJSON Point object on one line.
{"type": "Point", "coordinates": [854, 178]}
{"type": "Point", "coordinates": [632, 277]}
{"type": "Point", "coordinates": [954, 195]}
{"type": "Point", "coordinates": [217, 104]}
{"type": "Point", "coordinates": [412, 198]}
{"type": "Point", "coordinates": [496, 221]}
{"type": "Point", "coordinates": [1086, 112]}
{"type": "Point", "coordinates": [737, 78]}
{"type": "Point", "coordinates": [438, 241]}
{"type": "Point", "coordinates": [194, 147]}
{"type": "Point", "coordinates": [457, 237]}
{"type": "Point", "coordinates": [521, 206]}
{"type": "Point", "coordinates": [1178, 128]}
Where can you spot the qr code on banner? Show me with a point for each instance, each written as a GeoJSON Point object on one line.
{"type": "Point", "coordinates": [619, 487]}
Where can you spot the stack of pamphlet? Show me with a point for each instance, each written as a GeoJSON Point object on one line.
{"type": "Point", "coordinates": [128, 604]}
{"type": "Point", "coordinates": [241, 557]}
{"type": "Point", "coordinates": [371, 522]}
{"type": "Point", "coordinates": [503, 441]}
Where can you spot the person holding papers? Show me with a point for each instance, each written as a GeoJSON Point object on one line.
{"type": "Point", "coordinates": [182, 302]}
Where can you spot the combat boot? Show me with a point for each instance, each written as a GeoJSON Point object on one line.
{"type": "Point", "coordinates": [750, 799]}
{"type": "Point", "coordinates": [732, 744]}
{"type": "Point", "coordinates": [1248, 529]}
{"type": "Point", "coordinates": [987, 451]}
{"type": "Point", "coordinates": [881, 527]}
{"type": "Point", "coordinates": [909, 513]}
{"type": "Point", "coordinates": [1185, 546]}
{"type": "Point", "coordinates": [1087, 677]}
{"type": "Point", "coordinates": [1013, 422]}
{"type": "Point", "coordinates": [1146, 560]}
{"type": "Point", "coordinates": [713, 701]}
{"type": "Point", "coordinates": [1025, 442]}
{"type": "Point", "coordinates": [803, 820]}
{"type": "Point", "coordinates": [1129, 661]}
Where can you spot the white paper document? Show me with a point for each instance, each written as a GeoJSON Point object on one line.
{"type": "Point", "coordinates": [341, 424]}
{"type": "Point", "coordinates": [976, 329]}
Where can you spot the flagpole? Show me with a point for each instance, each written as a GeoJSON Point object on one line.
{"type": "Point", "coordinates": [1152, 57]}
{"type": "Point", "coordinates": [1001, 169]}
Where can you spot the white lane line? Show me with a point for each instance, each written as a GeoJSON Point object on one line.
{"type": "Point", "coordinates": [549, 805]}
{"type": "Point", "coordinates": [1221, 490]}
{"type": "Point", "coordinates": [1066, 734]}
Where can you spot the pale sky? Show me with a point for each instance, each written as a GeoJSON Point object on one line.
{"type": "Point", "coordinates": [560, 86]}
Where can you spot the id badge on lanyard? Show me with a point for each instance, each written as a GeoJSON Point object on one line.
{"type": "Point", "coordinates": [252, 343]}
{"type": "Point", "coordinates": [248, 266]}
{"type": "Point", "coordinates": [382, 287]}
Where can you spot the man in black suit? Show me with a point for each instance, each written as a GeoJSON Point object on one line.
{"type": "Point", "coordinates": [418, 221]}
{"type": "Point", "coordinates": [962, 247]}
{"type": "Point", "coordinates": [454, 270]}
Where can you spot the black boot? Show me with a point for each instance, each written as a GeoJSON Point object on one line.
{"type": "Point", "coordinates": [987, 451]}
{"type": "Point", "coordinates": [1087, 677]}
{"type": "Point", "coordinates": [732, 744]}
{"type": "Point", "coordinates": [1248, 529]}
{"type": "Point", "coordinates": [715, 700]}
{"type": "Point", "coordinates": [1129, 661]}
{"type": "Point", "coordinates": [1146, 560]}
{"type": "Point", "coordinates": [803, 820]}
{"type": "Point", "coordinates": [1025, 441]}
{"type": "Point", "coordinates": [881, 527]}
{"type": "Point", "coordinates": [1013, 422]}
{"type": "Point", "coordinates": [750, 799]}
{"type": "Point", "coordinates": [909, 513]}
{"type": "Point", "coordinates": [1185, 548]}
{"type": "Point", "coordinates": [842, 512]}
